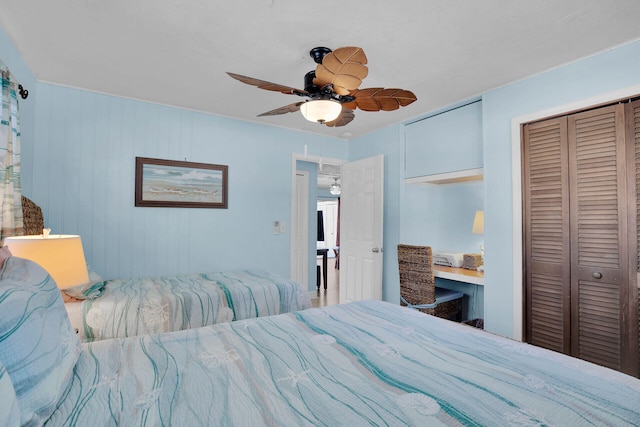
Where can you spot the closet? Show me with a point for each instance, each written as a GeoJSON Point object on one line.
{"type": "Point", "coordinates": [581, 177]}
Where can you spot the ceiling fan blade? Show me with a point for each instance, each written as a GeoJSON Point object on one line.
{"type": "Point", "coordinates": [263, 84]}
{"type": "Point", "coordinates": [349, 105]}
{"type": "Point", "coordinates": [344, 68]}
{"type": "Point", "coordinates": [350, 54]}
{"type": "Point", "coordinates": [345, 117]}
{"type": "Point", "coordinates": [381, 99]}
{"type": "Point", "coordinates": [291, 108]}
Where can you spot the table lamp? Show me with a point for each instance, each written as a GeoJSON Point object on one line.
{"type": "Point", "coordinates": [478, 227]}
{"type": "Point", "coordinates": [60, 255]}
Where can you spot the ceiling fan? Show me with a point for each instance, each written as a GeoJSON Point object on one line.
{"type": "Point", "coordinates": [332, 89]}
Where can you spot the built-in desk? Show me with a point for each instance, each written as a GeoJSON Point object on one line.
{"type": "Point", "coordinates": [469, 282]}
{"type": "Point", "coordinates": [459, 274]}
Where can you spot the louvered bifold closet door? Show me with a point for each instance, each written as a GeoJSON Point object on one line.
{"type": "Point", "coordinates": [632, 118]}
{"type": "Point", "coordinates": [546, 225]}
{"type": "Point", "coordinates": [598, 204]}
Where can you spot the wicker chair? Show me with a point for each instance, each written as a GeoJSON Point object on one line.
{"type": "Point", "coordinates": [417, 285]}
{"type": "Point", "coordinates": [32, 217]}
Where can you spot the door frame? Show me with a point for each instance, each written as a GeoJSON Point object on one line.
{"type": "Point", "coordinates": [300, 227]}
{"type": "Point", "coordinates": [516, 181]}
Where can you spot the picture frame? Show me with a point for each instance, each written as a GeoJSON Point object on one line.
{"type": "Point", "coordinates": [180, 184]}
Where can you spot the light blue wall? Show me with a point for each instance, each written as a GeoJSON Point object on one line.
{"type": "Point", "coordinates": [441, 216]}
{"type": "Point", "coordinates": [84, 169]}
{"type": "Point", "coordinates": [609, 71]}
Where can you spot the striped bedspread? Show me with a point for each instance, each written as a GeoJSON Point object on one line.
{"type": "Point", "coordinates": [365, 363]}
{"type": "Point", "coordinates": [132, 307]}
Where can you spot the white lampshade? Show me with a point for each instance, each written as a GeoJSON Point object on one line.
{"type": "Point", "coordinates": [478, 223]}
{"type": "Point", "coordinates": [321, 110]}
{"type": "Point", "coordinates": [61, 255]}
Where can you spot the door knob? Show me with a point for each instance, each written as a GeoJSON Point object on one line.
{"type": "Point", "coordinates": [596, 275]}
{"type": "Point", "coordinates": [375, 250]}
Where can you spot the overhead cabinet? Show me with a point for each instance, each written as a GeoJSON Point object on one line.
{"type": "Point", "coordinates": [446, 143]}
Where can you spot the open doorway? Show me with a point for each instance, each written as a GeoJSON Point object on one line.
{"type": "Point", "coordinates": [361, 225]}
{"type": "Point", "coordinates": [328, 246]}
{"type": "Point", "coordinates": [322, 173]}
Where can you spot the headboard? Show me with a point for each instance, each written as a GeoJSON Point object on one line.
{"type": "Point", "coordinates": [32, 217]}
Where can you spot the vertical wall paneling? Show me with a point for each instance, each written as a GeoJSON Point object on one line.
{"type": "Point", "coordinates": [83, 178]}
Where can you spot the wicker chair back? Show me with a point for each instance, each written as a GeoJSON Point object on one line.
{"type": "Point", "coordinates": [415, 265]}
{"type": "Point", "coordinates": [32, 217]}
{"type": "Point", "coordinates": [417, 284]}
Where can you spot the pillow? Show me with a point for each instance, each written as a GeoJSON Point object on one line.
{"type": "Point", "coordinates": [4, 254]}
{"type": "Point", "coordinates": [9, 411]}
{"type": "Point", "coordinates": [90, 290]}
{"type": "Point", "coordinates": [37, 345]}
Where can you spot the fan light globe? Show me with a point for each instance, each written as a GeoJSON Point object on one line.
{"type": "Point", "coordinates": [321, 110]}
{"type": "Point", "coordinates": [335, 188]}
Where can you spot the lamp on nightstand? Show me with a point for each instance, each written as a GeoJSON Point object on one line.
{"type": "Point", "coordinates": [61, 255]}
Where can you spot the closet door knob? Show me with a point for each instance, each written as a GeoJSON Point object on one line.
{"type": "Point", "coordinates": [596, 275]}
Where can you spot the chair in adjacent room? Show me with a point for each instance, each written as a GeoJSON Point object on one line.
{"type": "Point", "coordinates": [417, 284]}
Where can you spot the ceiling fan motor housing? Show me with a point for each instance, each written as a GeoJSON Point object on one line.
{"type": "Point", "coordinates": [318, 53]}
{"type": "Point", "coordinates": [308, 83]}
{"type": "Point", "coordinates": [326, 92]}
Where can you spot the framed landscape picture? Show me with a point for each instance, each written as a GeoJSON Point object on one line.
{"type": "Point", "coordinates": [171, 183]}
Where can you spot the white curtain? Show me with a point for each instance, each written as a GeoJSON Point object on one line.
{"type": "Point", "coordinates": [10, 192]}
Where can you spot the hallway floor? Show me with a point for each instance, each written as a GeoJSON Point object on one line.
{"type": "Point", "coordinates": [332, 295]}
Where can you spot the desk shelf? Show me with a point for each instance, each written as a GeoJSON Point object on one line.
{"type": "Point", "coordinates": [459, 274]}
{"type": "Point", "coordinates": [449, 177]}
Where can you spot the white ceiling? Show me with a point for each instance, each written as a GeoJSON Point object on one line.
{"type": "Point", "coordinates": [177, 52]}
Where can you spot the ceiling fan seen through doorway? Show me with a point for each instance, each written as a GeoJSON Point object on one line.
{"type": "Point", "coordinates": [332, 89]}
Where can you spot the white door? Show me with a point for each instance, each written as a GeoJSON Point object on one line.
{"type": "Point", "coordinates": [299, 229]}
{"type": "Point", "coordinates": [361, 212]}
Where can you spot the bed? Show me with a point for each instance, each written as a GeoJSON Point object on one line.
{"type": "Point", "coordinates": [130, 307]}
{"type": "Point", "coordinates": [364, 363]}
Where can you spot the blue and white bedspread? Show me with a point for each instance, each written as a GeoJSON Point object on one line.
{"type": "Point", "coordinates": [131, 307]}
{"type": "Point", "coordinates": [365, 363]}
